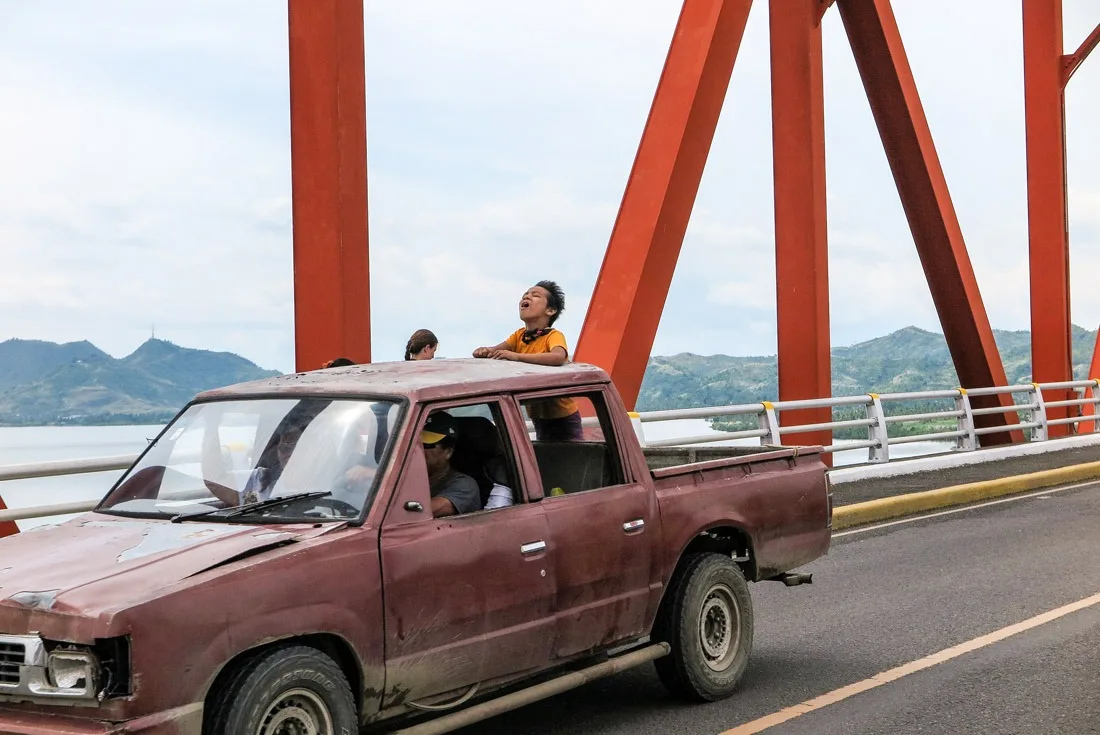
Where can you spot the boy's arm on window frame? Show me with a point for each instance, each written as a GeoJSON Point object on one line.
{"type": "Point", "coordinates": [555, 357]}
{"type": "Point", "coordinates": [488, 351]}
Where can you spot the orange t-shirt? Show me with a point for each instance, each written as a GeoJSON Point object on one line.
{"type": "Point", "coordinates": [546, 343]}
{"type": "Point", "coordinates": [546, 408]}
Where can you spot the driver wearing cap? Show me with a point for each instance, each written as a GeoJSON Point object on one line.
{"type": "Point", "coordinates": [452, 492]}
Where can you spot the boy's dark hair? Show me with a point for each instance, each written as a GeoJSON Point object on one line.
{"type": "Point", "coordinates": [338, 362]}
{"type": "Point", "coordinates": [555, 298]}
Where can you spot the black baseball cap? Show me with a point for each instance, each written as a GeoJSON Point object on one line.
{"type": "Point", "coordinates": [438, 427]}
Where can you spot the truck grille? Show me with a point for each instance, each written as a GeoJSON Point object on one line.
{"type": "Point", "coordinates": [12, 656]}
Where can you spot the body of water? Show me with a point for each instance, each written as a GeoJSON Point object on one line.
{"type": "Point", "coordinates": [50, 443]}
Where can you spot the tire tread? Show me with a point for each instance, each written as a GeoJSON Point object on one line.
{"type": "Point", "coordinates": [675, 670]}
{"type": "Point", "coordinates": [247, 678]}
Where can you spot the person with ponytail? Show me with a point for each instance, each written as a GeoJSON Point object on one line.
{"type": "Point", "coordinates": [421, 345]}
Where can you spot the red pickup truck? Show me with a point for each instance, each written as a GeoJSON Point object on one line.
{"type": "Point", "coordinates": [272, 562]}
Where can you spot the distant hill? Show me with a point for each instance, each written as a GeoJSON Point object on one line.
{"type": "Point", "coordinates": [23, 360]}
{"type": "Point", "coordinates": [42, 383]}
{"type": "Point", "coordinates": [907, 360]}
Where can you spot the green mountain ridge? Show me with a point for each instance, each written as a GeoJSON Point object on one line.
{"type": "Point", "coordinates": [24, 360]}
{"type": "Point", "coordinates": [910, 359]}
{"type": "Point", "coordinates": [42, 383]}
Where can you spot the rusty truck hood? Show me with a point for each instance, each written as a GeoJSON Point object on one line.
{"type": "Point", "coordinates": [98, 564]}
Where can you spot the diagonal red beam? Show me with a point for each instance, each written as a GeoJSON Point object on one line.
{"type": "Point", "coordinates": [630, 292]}
{"type": "Point", "coordinates": [328, 146]}
{"type": "Point", "coordinates": [892, 92]}
{"type": "Point", "coordinates": [1048, 223]}
{"type": "Point", "coordinates": [7, 528]}
{"type": "Point", "coordinates": [1090, 409]}
{"type": "Point", "coordinates": [801, 238]}
{"type": "Point", "coordinates": [1071, 62]}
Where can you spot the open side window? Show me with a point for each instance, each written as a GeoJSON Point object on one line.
{"type": "Point", "coordinates": [573, 439]}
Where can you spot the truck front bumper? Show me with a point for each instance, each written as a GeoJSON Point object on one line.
{"type": "Point", "coordinates": [186, 720]}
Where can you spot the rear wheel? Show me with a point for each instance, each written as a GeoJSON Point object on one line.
{"type": "Point", "coordinates": [706, 618]}
{"type": "Point", "coordinates": [294, 690]}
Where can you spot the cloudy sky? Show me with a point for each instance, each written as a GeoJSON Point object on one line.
{"type": "Point", "coordinates": [145, 171]}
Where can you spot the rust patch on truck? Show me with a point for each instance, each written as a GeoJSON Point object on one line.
{"type": "Point", "coordinates": [42, 600]}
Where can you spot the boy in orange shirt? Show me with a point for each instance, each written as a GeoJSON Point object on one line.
{"type": "Point", "coordinates": [555, 419]}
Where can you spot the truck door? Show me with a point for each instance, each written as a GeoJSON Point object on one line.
{"type": "Point", "coordinates": [467, 597]}
{"type": "Point", "coordinates": [601, 520]}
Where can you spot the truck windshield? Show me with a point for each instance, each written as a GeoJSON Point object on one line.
{"type": "Point", "coordinates": [229, 459]}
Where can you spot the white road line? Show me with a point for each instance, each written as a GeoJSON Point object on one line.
{"type": "Point", "coordinates": [839, 695]}
{"type": "Point", "coordinates": [1047, 491]}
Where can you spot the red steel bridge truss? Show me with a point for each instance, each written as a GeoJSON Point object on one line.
{"type": "Point", "coordinates": [331, 252]}
{"type": "Point", "coordinates": [328, 140]}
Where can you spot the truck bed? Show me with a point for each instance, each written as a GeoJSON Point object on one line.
{"type": "Point", "coordinates": [778, 496]}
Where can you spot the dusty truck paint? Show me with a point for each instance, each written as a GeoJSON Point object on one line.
{"type": "Point", "coordinates": [413, 611]}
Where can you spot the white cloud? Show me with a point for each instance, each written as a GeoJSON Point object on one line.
{"type": "Point", "coordinates": [145, 162]}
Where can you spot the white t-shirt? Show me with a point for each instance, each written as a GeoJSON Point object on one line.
{"type": "Point", "coordinates": [499, 497]}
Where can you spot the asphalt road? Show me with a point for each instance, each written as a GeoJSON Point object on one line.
{"type": "Point", "coordinates": [884, 598]}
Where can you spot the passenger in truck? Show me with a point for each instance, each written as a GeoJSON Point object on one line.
{"type": "Point", "coordinates": [452, 492]}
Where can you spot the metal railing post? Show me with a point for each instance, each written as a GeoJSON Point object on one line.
{"type": "Point", "coordinates": [877, 432]}
{"type": "Point", "coordinates": [1038, 415]}
{"type": "Point", "coordinates": [636, 424]}
{"type": "Point", "coordinates": [769, 423]}
{"type": "Point", "coordinates": [968, 442]}
{"type": "Point", "coordinates": [1080, 410]}
{"type": "Point", "coordinates": [1094, 390]}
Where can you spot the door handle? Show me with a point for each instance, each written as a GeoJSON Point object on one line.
{"type": "Point", "coordinates": [532, 548]}
{"type": "Point", "coordinates": [634, 525]}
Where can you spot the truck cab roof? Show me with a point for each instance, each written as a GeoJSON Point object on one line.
{"type": "Point", "coordinates": [418, 380]}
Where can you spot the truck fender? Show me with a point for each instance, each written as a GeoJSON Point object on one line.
{"type": "Point", "coordinates": [338, 648]}
{"type": "Point", "coordinates": [726, 536]}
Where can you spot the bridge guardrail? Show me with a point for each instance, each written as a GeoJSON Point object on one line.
{"type": "Point", "coordinates": [769, 428]}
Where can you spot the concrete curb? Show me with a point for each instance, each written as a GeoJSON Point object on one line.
{"type": "Point", "coordinates": [872, 511]}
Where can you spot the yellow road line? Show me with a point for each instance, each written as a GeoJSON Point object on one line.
{"type": "Point", "coordinates": [839, 695]}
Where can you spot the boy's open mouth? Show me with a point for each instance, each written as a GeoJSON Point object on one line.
{"type": "Point", "coordinates": [524, 304]}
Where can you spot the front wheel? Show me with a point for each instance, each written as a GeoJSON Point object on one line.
{"type": "Point", "coordinates": [706, 618]}
{"type": "Point", "coordinates": [283, 691]}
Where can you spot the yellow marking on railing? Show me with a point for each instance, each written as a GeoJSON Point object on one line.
{"type": "Point", "coordinates": [962, 391]}
{"type": "Point", "coordinates": [767, 405]}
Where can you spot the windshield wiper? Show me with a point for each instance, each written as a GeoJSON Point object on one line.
{"type": "Point", "coordinates": [249, 507]}
{"type": "Point", "coordinates": [261, 504]}
{"type": "Point", "coordinates": [195, 514]}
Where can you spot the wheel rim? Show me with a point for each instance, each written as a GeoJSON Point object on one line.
{"type": "Point", "coordinates": [296, 712]}
{"type": "Point", "coordinates": [719, 627]}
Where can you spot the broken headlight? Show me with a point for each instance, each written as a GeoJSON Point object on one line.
{"type": "Point", "coordinates": [73, 672]}
{"type": "Point", "coordinates": [43, 671]}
